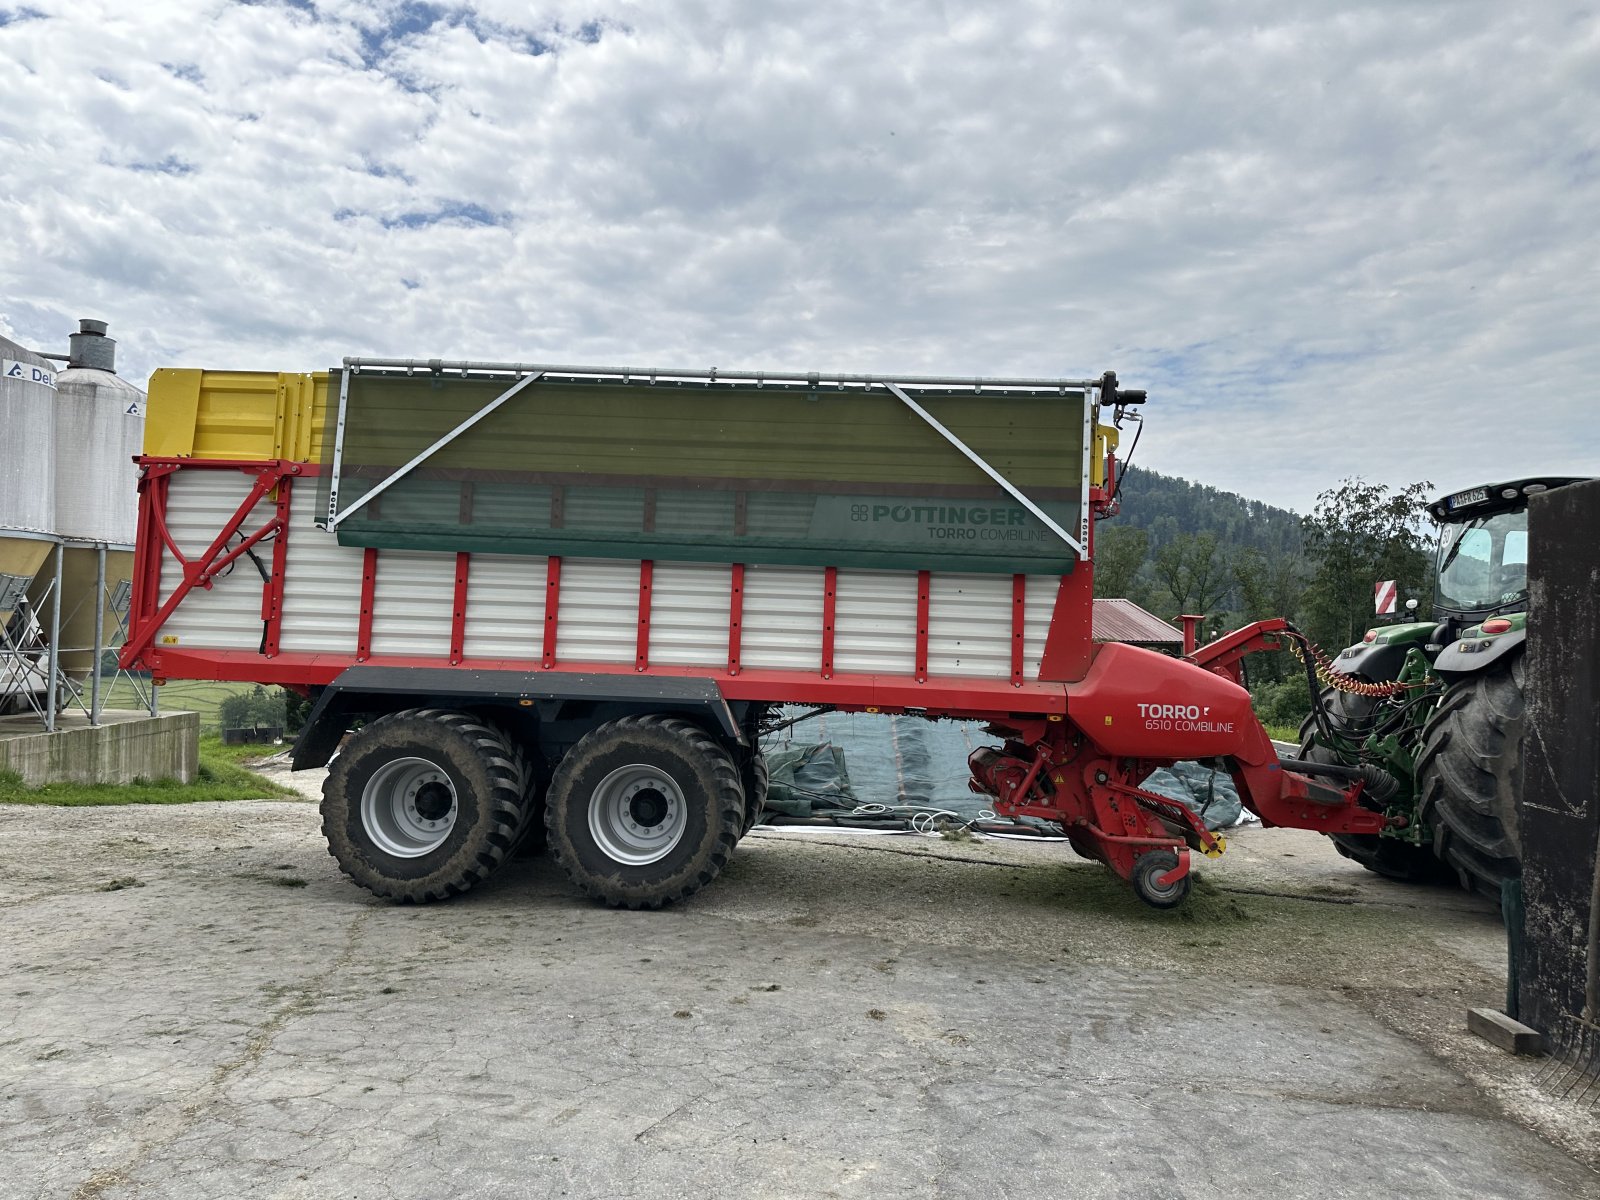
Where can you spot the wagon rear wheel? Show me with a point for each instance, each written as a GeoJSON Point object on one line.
{"type": "Point", "coordinates": [644, 811]}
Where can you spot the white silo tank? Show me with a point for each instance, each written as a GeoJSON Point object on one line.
{"type": "Point", "coordinates": [99, 423]}
{"type": "Point", "coordinates": [27, 470]}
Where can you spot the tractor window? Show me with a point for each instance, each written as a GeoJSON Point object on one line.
{"type": "Point", "coordinates": [1484, 563]}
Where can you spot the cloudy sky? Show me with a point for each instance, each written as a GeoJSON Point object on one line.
{"type": "Point", "coordinates": [1329, 238]}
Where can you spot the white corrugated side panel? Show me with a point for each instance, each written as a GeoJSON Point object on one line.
{"type": "Point", "coordinates": [875, 622]}
{"type": "Point", "coordinates": [505, 606]}
{"type": "Point", "coordinates": [598, 617]}
{"type": "Point", "coordinates": [689, 605]}
{"type": "Point", "coordinates": [969, 625]}
{"type": "Point", "coordinates": [782, 618]}
{"type": "Point", "coordinates": [322, 586]}
{"type": "Point", "coordinates": [412, 603]}
{"type": "Point", "coordinates": [228, 615]}
{"type": "Point", "coordinates": [1040, 606]}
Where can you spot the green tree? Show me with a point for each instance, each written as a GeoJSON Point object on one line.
{"type": "Point", "coordinates": [1193, 571]}
{"type": "Point", "coordinates": [1358, 534]}
{"type": "Point", "coordinates": [1119, 552]}
{"type": "Point", "coordinates": [1269, 585]}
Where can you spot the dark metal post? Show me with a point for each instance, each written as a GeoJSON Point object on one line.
{"type": "Point", "coordinates": [1559, 810]}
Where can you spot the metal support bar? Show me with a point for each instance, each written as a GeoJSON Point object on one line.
{"type": "Point", "coordinates": [642, 376]}
{"type": "Point", "coordinates": [334, 521]}
{"type": "Point", "coordinates": [99, 634]}
{"type": "Point", "coordinates": [338, 444]}
{"type": "Point", "coordinates": [972, 456]}
{"type": "Point", "coordinates": [55, 643]}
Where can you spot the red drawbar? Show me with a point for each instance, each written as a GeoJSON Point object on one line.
{"type": "Point", "coordinates": [641, 651]}
{"type": "Point", "coordinates": [923, 601]}
{"type": "Point", "coordinates": [369, 595]}
{"type": "Point", "coordinates": [1019, 625]}
{"type": "Point", "coordinates": [458, 613]}
{"type": "Point", "coordinates": [735, 616]}
{"type": "Point", "coordinates": [552, 608]}
{"type": "Point", "coordinates": [830, 589]}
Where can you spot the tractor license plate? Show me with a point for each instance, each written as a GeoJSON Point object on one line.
{"type": "Point", "coordinates": [1471, 496]}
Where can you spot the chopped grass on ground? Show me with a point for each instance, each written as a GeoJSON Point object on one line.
{"type": "Point", "coordinates": [219, 778]}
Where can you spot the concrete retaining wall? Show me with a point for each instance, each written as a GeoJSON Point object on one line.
{"type": "Point", "coordinates": [126, 747]}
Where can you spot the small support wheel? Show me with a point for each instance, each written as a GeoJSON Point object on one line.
{"type": "Point", "coordinates": [1146, 879]}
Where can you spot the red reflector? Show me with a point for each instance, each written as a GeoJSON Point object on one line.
{"type": "Point", "coordinates": [1372, 636]}
{"type": "Point", "coordinates": [1496, 625]}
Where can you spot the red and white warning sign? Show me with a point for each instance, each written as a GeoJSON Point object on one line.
{"type": "Point", "coordinates": [1384, 594]}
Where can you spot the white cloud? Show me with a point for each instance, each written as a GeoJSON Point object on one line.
{"type": "Point", "coordinates": [1328, 238]}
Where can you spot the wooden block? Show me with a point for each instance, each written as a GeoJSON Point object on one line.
{"type": "Point", "coordinates": [1498, 1029]}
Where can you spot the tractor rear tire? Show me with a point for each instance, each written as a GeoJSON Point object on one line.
{"type": "Point", "coordinates": [1389, 857]}
{"type": "Point", "coordinates": [1470, 773]}
{"type": "Point", "coordinates": [644, 811]}
{"type": "Point", "coordinates": [423, 804]}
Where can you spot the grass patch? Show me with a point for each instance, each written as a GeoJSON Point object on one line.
{"type": "Point", "coordinates": [1283, 733]}
{"type": "Point", "coordinates": [203, 696]}
{"type": "Point", "coordinates": [212, 750]}
{"type": "Point", "coordinates": [219, 778]}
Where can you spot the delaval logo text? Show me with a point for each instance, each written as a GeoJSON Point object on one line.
{"type": "Point", "coordinates": [11, 368]}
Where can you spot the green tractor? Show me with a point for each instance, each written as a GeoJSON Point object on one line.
{"type": "Point", "coordinates": [1437, 705]}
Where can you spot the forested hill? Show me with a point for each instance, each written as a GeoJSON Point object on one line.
{"type": "Point", "coordinates": [1167, 507]}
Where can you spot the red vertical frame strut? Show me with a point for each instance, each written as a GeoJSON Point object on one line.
{"type": "Point", "coordinates": [830, 589]}
{"type": "Point", "coordinates": [552, 608]}
{"type": "Point", "coordinates": [641, 650]}
{"type": "Point", "coordinates": [924, 602]}
{"type": "Point", "coordinates": [369, 595]}
{"type": "Point", "coordinates": [458, 611]}
{"type": "Point", "coordinates": [1069, 646]}
{"type": "Point", "coordinates": [272, 591]}
{"type": "Point", "coordinates": [1019, 626]}
{"type": "Point", "coordinates": [735, 617]}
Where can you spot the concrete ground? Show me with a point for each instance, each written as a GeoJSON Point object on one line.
{"type": "Point", "coordinates": [195, 1003]}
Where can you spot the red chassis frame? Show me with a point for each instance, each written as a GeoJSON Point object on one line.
{"type": "Point", "coordinates": [1079, 738]}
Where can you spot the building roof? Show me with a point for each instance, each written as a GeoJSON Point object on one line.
{"type": "Point", "coordinates": [1125, 621]}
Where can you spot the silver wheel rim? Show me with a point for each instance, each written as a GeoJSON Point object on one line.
{"type": "Point", "coordinates": [1154, 890]}
{"type": "Point", "coordinates": [408, 807]}
{"type": "Point", "coordinates": [637, 815]}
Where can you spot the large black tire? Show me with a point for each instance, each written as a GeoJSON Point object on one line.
{"type": "Point", "coordinates": [644, 811]}
{"type": "Point", "coordinates": [423, 804]}
{"type": "Point", "coordinates": [755, 778]}
{"type": "Point", "coordinates": [1470, 773]}
{"type": "Point", "coordinates": [1389, 857]}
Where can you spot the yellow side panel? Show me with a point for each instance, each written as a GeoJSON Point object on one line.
{"type": "Point", "coordinates": [169, 413]}
{"type": "Point", "coordinates": [1106, 438]}
{"type": "Point", "coordinates": [245, 415]}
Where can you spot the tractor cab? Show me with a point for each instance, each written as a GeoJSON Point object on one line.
{"type": "Point", "coordinates": [1481, 571]}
